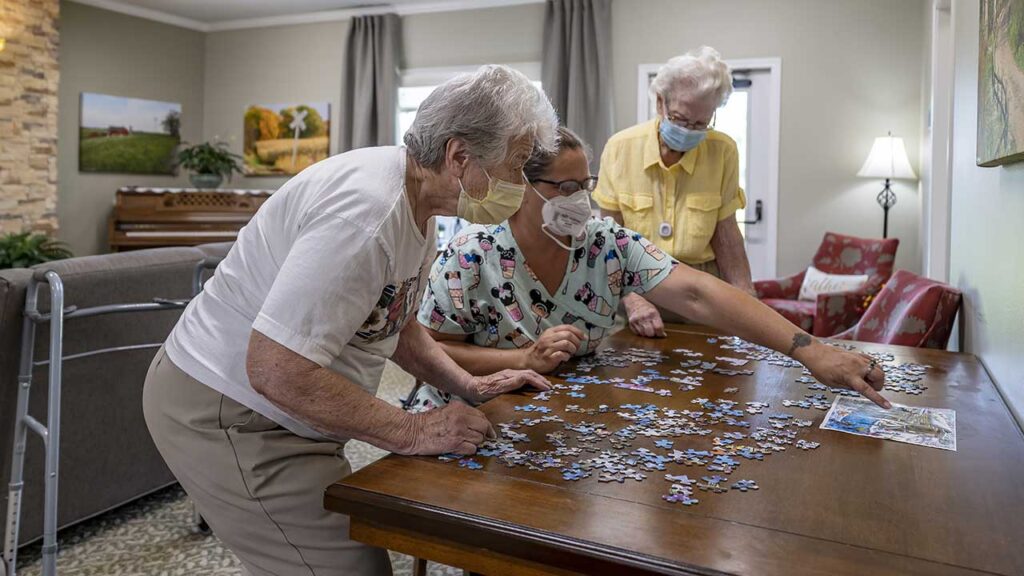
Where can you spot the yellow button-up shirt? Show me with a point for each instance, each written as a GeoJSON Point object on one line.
{"type": "Point", "coordinates": [693, 195]}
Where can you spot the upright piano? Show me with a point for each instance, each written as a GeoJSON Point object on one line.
{"type": "Point", "coordinates": [155, 217]}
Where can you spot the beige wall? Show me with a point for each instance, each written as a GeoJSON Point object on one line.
{"type": "Point", "coordinates": [305, 62]}
{"type": "Point", "coordinates": [851, 71]}
{"type": "Point", "coordinates": [269, 66]}
{"type": "Point", "coordinates": [497, 35]}
{"type": "Point", "coordinates": [28, 116]}
{"type": "Point", "coordinates": [987, 237]}
{"type": "Point", "coordinates": [111, 53]}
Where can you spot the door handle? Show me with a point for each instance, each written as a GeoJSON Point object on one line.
{"type": "Point", "coordinates": [757, 214]}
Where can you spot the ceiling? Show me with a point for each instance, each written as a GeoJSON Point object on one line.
{"type": "Point", "coordinates": [211, 15]}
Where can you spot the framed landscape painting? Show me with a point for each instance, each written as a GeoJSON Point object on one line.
{"type": "Point", "coordinates": [283, 139]}
{"type": "Point", "coordinates": [127, 135]}
{"type": "Point", "coordinates": [1001, 82]}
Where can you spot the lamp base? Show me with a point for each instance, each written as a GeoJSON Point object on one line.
{"type": "Point", "coordinates": [886, 199]}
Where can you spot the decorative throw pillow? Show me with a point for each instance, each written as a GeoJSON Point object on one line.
{"type": "Point", "coordinates": [817, 282]}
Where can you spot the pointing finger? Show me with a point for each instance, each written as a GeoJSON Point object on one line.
{"type": "Point", "coordinates": [870, 393]}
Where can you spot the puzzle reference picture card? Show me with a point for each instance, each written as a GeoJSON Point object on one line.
{"type": "Point", "coordinates": [933, 427]}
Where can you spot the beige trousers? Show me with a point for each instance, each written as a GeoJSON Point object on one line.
{"type": "Point", "coordinates": [259, 486]}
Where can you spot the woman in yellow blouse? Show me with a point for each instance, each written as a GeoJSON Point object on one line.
{"type": "Point", "coordinates": [676, 181]}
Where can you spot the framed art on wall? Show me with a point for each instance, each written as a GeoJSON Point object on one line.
{"type": "Point", "coordinates": [283, 139]}
{"type": "Point", "coordinates": [1001, 82]}
{"type": "Point", "coordinates": [127, 135]}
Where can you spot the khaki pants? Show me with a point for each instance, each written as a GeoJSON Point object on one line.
{"type": "Point", "coordinates": [259, 486]}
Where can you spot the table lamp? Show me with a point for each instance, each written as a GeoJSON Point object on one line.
{"type": "Point", "coordinates": [887, 159]}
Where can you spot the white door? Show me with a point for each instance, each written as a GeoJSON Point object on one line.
{"type": "Point", "coordinates": [751, 118]}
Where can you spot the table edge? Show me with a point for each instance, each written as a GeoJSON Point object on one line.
{"type": "Point", "coordinates": [338, 493]}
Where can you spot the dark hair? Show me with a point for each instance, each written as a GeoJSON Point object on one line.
{"type": "Point", "coordinates": [541, 159]}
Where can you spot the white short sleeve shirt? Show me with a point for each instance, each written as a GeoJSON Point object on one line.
{"type": "Point", "coordinates": [329, 267]}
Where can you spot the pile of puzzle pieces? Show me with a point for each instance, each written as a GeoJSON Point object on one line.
{"type": "Point", "coordinates": [580, 449]}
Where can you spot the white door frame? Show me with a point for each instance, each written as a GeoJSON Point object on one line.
{"type": "Point", "coordinates": [774, 68]}
{"type": "Point", "coordinates": [936, 186]}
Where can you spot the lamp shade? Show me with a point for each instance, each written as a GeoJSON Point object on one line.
{"type": "Point", "coordinates": [888, 159]}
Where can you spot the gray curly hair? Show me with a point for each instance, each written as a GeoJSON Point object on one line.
{"type": "Point", "coordinates": [699, 73]}
{"type": "Point", "coordinates": [486, 109]}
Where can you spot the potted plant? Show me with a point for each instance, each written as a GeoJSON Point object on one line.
{"type": "Point", "coordinates": [209, 163]}
{"type": "Point", "coordinates": [21, 250]}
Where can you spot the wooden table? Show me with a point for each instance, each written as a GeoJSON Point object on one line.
{"type": "Point", "coordinates": [855, 505]}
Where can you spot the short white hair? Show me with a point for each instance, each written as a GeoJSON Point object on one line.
{"type": "Point", "coordinates": [486, 109]}
{"type": "Point", "coordinates": [699, 74]}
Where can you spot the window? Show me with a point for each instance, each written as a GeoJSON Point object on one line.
{"type": "Point", "coordinates": [416, 85]}
{"type": "Point", "coordinates": [732, 119]}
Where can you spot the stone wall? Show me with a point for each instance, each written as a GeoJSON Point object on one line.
{"type": "Point", "coordinates": [29, 75]}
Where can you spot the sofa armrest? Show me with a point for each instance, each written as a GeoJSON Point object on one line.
{"type": "Point", "coordinates": [845, 334]}
{"type": "Point", "coordinates": [787, 288]}
{"type": "Point", "coordinates": [838, 311]}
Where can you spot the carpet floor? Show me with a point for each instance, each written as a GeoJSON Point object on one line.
{"type": "Point", "coordinates": [155, 536]}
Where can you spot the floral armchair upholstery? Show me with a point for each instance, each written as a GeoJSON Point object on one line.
{"type": "Point", "coordinates": [832, 313]}
{"type": "Point", "coordinates": [909, 311]}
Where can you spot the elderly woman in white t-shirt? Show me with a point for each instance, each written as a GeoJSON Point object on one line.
{"type": "Point", "coordinates": [275, 364]}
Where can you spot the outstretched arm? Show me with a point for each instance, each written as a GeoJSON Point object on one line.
{"type": "Point", "coordinates": [707, 300]}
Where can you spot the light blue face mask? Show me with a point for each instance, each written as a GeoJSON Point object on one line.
{"type": "Point", "coordinates": [678, 138]}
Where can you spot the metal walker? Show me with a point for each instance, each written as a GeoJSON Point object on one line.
{"type": "Point", "coordinates": [50, 433]}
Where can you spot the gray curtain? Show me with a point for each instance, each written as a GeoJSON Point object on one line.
{"type": "Point", "coordinates": [576, 67]}
{"type": "Point", "coordinates": [370, 88]}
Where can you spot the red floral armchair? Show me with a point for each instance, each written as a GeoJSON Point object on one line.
{"type": "Point", "coordinates": [909, 311]}
{"type": "Point", "coordinates": [832, 313]}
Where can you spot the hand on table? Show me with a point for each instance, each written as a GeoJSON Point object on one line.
{"type": "Point", "coordinates": [456, 428]}
{"type": "Point", "coordinates": [484, 388]}
{"type": "Point", "coordinates": [644, 318]}
{"type": "Point", "coordinates": [839, 368]}
{"type": "Point", "coordinates": [555, 345]}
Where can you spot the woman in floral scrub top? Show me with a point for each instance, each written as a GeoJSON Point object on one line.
{"type": "Point", "coordinates": [515, 295]}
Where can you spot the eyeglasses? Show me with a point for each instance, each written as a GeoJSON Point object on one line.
{"type": "Point", "coordinates": [691, 125]}
{"type": "Point", "coordinates": [572, 186]}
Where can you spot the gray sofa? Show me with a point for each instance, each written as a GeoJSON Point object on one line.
{"type": "Point", "coordinates": [106, 455]}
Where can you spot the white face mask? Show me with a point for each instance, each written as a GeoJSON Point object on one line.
{"type": "Point", "coordinates": [565, 215]}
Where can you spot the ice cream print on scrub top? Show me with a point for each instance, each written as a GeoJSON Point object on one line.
{"type": "Point", "coordinates": [471, 261]}
{"type": "Point", "coordinates": [443, 259]}
{"type": "Point", "coordinates": [504, 305]}
{"type": "Point", "coordinates": [595, 249]}
{"type": "Point", "coordinates": [485, 240]}
{"type": "Point", "coordinates": [651, 249]}
{"type": "Point", "coordinates": [507, 296]}
{"type": "Point", "coordinates": [541, 308]}
{"type": "Point", "coordinates": [392, 309]}
{"type": "Point", "coordinates": [614, 267]}
{"type": "Point", "coordinates": [508, 261]}
{"type": "Point", "coordinates": [593, 301]}
{"type": "Point", "coordinates": [621, 241]}
{"type": "Point", "coordinates": [468, 326]}
{"type": "Point", "coordinates": [493, 318]}
{"type": "Point", "coordinates": [518, 339]}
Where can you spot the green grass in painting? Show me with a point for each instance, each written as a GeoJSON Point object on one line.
{"type": "Point", "coordinates": [139, 153]}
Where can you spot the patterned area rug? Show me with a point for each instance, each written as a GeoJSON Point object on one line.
{"type": "Point", "coordinates": [156, 536]}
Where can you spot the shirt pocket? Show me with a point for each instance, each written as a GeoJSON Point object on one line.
{"type": "Point", "coordinates": [701, 219]}
{"type": "Point", "coordinates": [637, 211]}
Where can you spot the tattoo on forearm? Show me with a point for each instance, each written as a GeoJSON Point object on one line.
{"type": "Point", "coordinates": [800, 340]}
